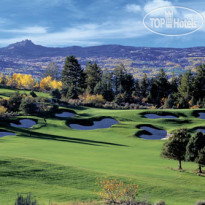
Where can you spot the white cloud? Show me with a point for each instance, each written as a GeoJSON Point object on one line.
{"type": "Point", "coordinates": [27, 30]}
{"type": "Point", "coordinates": [156, 4]}
{"type": "Point", "coordinates": [133, 8]}
{"type": "Point", "coordinates": [85, 35]}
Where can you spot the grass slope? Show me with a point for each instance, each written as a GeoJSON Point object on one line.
{"type": "Point", "coordinates": [60, 164]}
{"type": "Point", "coordinates": [6, 92]}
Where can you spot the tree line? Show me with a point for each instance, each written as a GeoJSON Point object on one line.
{"type": "Point", "coordinates": [184, 91]}
{"type": "Point", "coordinates": [117, 86]}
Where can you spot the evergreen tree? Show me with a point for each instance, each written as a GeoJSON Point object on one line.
{"type": "Point", "coordinates": [144, 84]}
{"type": "Point", "coordinates": [118, 99]}
{"type": "Point", "coordinates": [93, 76]}
{"type": "Point", "coordinates": [163, 83]}
{"type": "Point", "coordinates": [72, 93]}
{"type": "Point", "coordinates": [153, 95]}
{"type": "Point", "coordinates": [199, 83]}
{"type": "Point", "coordinates": [159, 88]}
{"type": "Point", "coordinates": [128, 83]}
{"type": "Point", "coordinates": [106, 86]}
{"type": "Point", "coordinates": [82, 83]}
{"type": "Point", "coordinates": [136, 88]}
{"type": "Point", "coordinates": [185, 88]}
{"type": "Point", "coordinates": [64, 92]}
{"type": "Point", "coordinates": [175, 147]}
{"type": "Point", "coordinates": [98, 89]}
{"type": "Point", "coordinates": [118, 78]}
{"type": "Point", "coordinates": [72, 75]}
{"type": "Point", "coordinates": [174, 84]}
{"type": "Point", "coordinates": [169, 102]}
{"type": "Point", "coordinates": [196, 143]}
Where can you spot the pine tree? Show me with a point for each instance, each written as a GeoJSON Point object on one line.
{"type": "Point", "coordinates": [174, 84]}
{"type": "Point", "coordinates": [72, 75]}
{"type": "Point", "coordinates": [136, 88]}
{"type": "Point", "coordinates": [105, 86]}
{"type": "Point", "coordinates": [118, 78]}
{"type": "Point", "coordinates": [153, 95]}
{"type": "Point", "coordinates": [199, 83]}
{"type": "Point", "coordinates": [159, 88]}
{"type": "Point", "coordinates": [93, 76]}
{"type": "Point", "coordinates": [72, 93]}
{"type": "Point", "coordinates": [128, 83]}
{"type": "Point", "coordinates": [169, 102]}
{"type": "Point", "coordinates": [186, 86]}
{"type": "Point", "coordinates": [144, 84]}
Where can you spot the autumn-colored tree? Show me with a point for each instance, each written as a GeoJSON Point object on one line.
{"type": "Point", "coordinates": [2, 110]}
{"type": "Point", "coordinates": [93, 99]}
{"type": "Point", "coordinates": [47, 84]}
{"type": "Point", "coordinates": [20, 81]}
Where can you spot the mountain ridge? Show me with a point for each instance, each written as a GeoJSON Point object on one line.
{"type": "Point", "coordinates": [27, 49]}
{"type": "Point", "coordinates": [27, 57]}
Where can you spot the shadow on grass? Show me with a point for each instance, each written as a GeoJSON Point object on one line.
{"type": "Point", "coordinates": [6, 94]}
{"type": "Point", "coordinates": [30, 134]}
{"type": "Point", "coordinates": [80, 108]}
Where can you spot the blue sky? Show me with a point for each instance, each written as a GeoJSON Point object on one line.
{"type": "Point", "coordinates": [60, 23]}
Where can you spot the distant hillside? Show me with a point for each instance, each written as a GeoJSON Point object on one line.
{"type": "Point", "coordinates": [26, 57]}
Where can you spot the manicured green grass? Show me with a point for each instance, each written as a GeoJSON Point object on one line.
{"type": "Point", "coordinates": [6, 93]}
{"type": "Point", "coordinates": [57, 163]}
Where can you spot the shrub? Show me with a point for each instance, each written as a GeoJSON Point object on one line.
{"type": "Point", "coordinates": [28, 105]}
{"type": "Point", "coordinates": [14, 102]}
{"type": "Point", "coordinates": [56, 95]}
{"type": "Point", "coordinates": [200, 203]}
{"type": "Point", "coordinates": [159, 203]}
{"type": "Point", "coordinates": [113, 191]}
{"type": "Point", "coordinates": [92, 99]}
{"type": "Point", "coordinates": [33, 94]}
{"type": "Point", "coordinates": [27, 200]}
